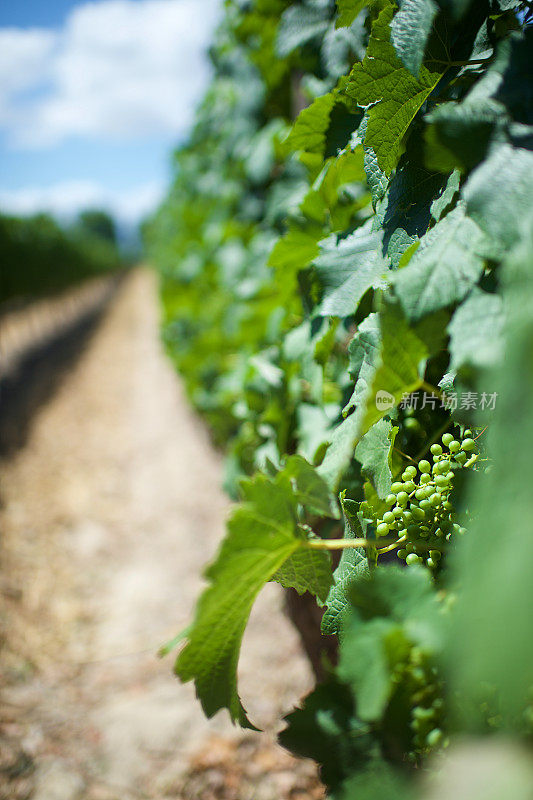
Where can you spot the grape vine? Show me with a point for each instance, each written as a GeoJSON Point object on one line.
{"type": "Point", "coordinates": [347, 283]}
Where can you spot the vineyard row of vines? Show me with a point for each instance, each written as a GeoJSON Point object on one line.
{"type": "Point", "coordinates": [347, 281]}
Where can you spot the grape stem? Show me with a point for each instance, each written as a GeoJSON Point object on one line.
{"type": "Point", "coordinates": [345, 544]}
{"type": "Point", "coordinates": [340, 544]}
{"type": "Point", "coordinates": [392, 546]}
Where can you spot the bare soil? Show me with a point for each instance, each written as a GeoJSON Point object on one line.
{"type": "Point", "coordinates": [109, 513]}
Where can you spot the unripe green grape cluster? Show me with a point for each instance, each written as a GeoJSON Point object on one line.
{"type": "Point", "coordinates": [427, 705]}
{"type": "Point", "coordinates": [420, 512]}
{"type": "Point", "coordinates": [422, 691]}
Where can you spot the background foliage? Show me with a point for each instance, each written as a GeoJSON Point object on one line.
{"type": "Point", "coordinates": [39, 257]}
{"type": "Point", "coordinates": [350, 223]}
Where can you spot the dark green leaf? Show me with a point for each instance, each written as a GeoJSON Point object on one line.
{"type": "Point", "coordinates": [445, 267]}
{"type": "Point", "coordinates": [352, 566]}
{"type": "Point", "coordinates": [299, 25]}
{"type": "Point", "coordinates": [347, 269]}
{"type": "Point", "coordinates": [374, 451]}
{"type": "Point", "coordinates": [498, 193]}
{"type": "Point", "coordinates": [411, 27]}
{"type": "Point", "coordinates": [476, 331]}
{"type": "Point", "coordinates": [390, 93]}
{"type": "Point", "coordinates": [489, 640]}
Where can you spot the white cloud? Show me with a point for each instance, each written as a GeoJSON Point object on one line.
{"type": "Point", "coordinates": [67, 198]}
{"type": "Point", "coordinates": [118, 68]}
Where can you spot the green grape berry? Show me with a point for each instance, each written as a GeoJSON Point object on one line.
{"type": "Point", "coordinates": [409, 473]}
{"type": "Point", "coordinates": [468, 444]}
{"type": "Point", "coordinates": [424, 466]}
{"type": "Point", "coordinates": [412, 558]}
{"type": "Point", "coordinates": [441, 481]}
{"type": "Point", "coordinates": [402, 498]}
{"type": "Point", "coordinates": [388, 517]}
{"type": "Point", "coordinates": [397, 511]}
{"type": "Point", "coordinates": [411, 424]}
{"type": "Point", "coordinates": [396, 487]}
{"type": "Point", "coordinates": [409, 486]}
{"type": "Point", "coordinates": [402, 553]}
{"type": "Point", "coordinates": [417, 513]}
{"type": "Point", "coordinates": [390, 500]}
{"type": "Point", "coordinates": [446, 439]}
{"type": "Point", "coordinates": [425, 505]}
{"type": "Point", "coordinates": [382, 529]}
{"type": "Point", "coordinates": [454, 446]}
{"type": "Point", "coordinates": [467, 433]}
{"type": "Point", "coordinates": [435, 500]}
{"type": "Point", "coordinates": [425, 478]}
{"type": "Point", "coordinates": [434, 737]}
{"type": "Point", "coordinates": [436, 449]}
{"type": "Point", "coordinates": [435, 555]}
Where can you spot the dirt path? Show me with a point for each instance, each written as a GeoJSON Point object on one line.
{"type": "Point", "coordinates": [108, 515]}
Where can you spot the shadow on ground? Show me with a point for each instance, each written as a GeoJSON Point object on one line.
{"type": "Point", "coordinates": [39, 374]}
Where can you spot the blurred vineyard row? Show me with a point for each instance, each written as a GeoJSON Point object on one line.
{"type": "Point", "coordinates": [40, 257]}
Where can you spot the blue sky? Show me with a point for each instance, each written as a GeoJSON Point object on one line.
{"type": "Point", "coordinates": [93, 96]}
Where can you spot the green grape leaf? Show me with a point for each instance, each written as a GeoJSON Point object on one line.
{"type": "Point", "coordinates": [448, 263]}
{"type": "Point", "coordinates": [365, 663]}
{"type": "Point", "coordinates": [262, 535]}
{"type": "Point", "coordinates": [299, 24]}
{"type": "Point", "coordinates": [348, 10]}
{"type": "Point", "coordinates": [498, 193]}
{"type": "Point", "coordinates": [296, 249]}
{"type": "Point", "coordinates": [489, 643]}
{"type": "Point", "coordinates": [391, 610]}
{"type": "Point", "coordinates": [310, 128]}
{"type": "Point", "coordinates": [352, 566]}
{"type": "Point", "coordinates": [376, 178]}
{"type": "Point", "coordinates": [326, 729]}
{"type": "Point", "coordinates": [310, 489]}
{"type": "Point", "coordinates": [347, 269]}
{"type": "Point", "coordinates": [410, 31]}
{"type": "Point", "coordinates": [514, 91]}
{"type": "Point", "coordinates": [340, 45]}
{"type": "Point", "coordinates": [347, 167]}
{"type": "Point", "coordinates": [306, 571]}
{"type": "Point", "coordinates": [406, 210]}
{"type": "Point", "coordinates": [340, 451]}
{"type": "Point", "coordinates": [476, 331]}
{"type": "Point", "coordinates": [447, 195]}
{"type": "Point", "coordinates": [458, 135]}
{"type": "Point", "coordinates": [391, 94]}
{"type": "Point", "coordinates": [402, 359]}
{"type": "Point", "coordinates": [374, 452]}
{"type": "Point", "coordinates": [364, 351]}
{"type": "Point", "coordinates": [455, 8]}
